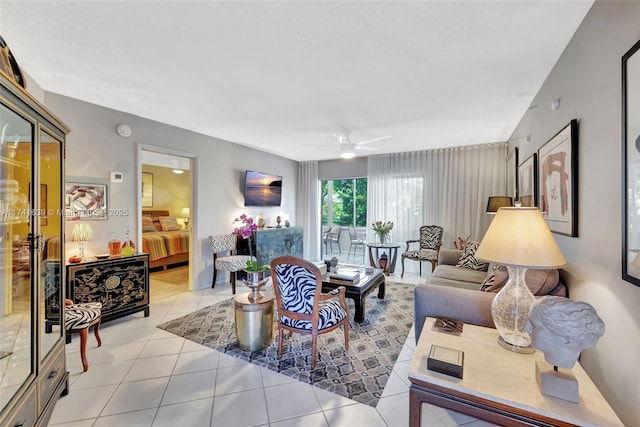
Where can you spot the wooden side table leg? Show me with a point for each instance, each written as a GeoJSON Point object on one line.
{"type": "Point", "coordinates": [84, 333]}
{"type": "Point", "coordinates": [393, 254]}
{"type": "Point", "coordinates": [371, 260]}
{"type": "Point", "coordinates": [415, 409]}
{"type": "Point", "coordinates": [96, 333]}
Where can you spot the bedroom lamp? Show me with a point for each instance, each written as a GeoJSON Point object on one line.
{"type": "Point", "coordinates": [496, 202]}
{"type": "Point", "coordinates": [518, 238]}
{"type": "Point", "coordinates": [185, 213]}
{"type": "Point", "coordinates": [81, 233]}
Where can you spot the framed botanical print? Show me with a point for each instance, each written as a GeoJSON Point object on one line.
{"type": "Point", "coordinates": [528, 181]}
{"type": "Point", "coordinates": [558, 180]}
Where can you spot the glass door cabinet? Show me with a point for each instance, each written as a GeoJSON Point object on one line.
{"type": "Point", "coordinates": [32, 360]}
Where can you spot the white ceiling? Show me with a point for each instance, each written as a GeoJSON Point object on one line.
{"type": "Point", "coordinates": [280, 75]}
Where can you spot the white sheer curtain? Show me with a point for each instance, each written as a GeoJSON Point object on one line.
{"type": "Point", "coordinates": [308, 208]}
{"type": "Point", "coordinates": [447, 187]}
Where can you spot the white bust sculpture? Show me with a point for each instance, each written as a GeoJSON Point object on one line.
{"type": "Point", "coordinates": [561, 328]}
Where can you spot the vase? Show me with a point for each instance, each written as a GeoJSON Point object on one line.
{"type": "Point", "coordinates": [383, 237]}
{"type": "Point", "coordinates": [255, 281]}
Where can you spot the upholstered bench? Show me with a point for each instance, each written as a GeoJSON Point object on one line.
{"type": "Point", "coordinates": [79, 318]}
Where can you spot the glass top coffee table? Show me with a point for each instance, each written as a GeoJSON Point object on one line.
{"type": "Point", "coordinates": [357, 291]}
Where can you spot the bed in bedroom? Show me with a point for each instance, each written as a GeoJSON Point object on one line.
{"type": "Point", "coordinates": [163, 239]}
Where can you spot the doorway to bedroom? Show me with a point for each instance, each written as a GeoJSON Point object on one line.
{"type": "Point", "coordinates": [165, 219]}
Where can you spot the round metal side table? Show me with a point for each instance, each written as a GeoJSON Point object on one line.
{"type": "Point", "coordinates": [254, 321]}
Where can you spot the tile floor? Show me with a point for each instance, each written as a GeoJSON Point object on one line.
{"type": "Point", "coordinates": [144, 376]}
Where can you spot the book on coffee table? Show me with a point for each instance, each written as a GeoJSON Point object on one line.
{"type": "Point", "coordinates": [346, 275]}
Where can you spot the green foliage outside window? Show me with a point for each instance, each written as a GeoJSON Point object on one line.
{"type": "Point", "coordinates": [361, 202]}
{"type": "Point", "coordinates": [347, 199]}
{"type": "Point", "coordinates": [324, 197]}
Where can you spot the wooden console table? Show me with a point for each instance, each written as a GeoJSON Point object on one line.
{"type": "Point", "coordinates": [120, 284]}
{"type": "Point", "coordinates": [498, 386]}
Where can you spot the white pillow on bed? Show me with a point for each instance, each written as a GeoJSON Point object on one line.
{"type": "Point", "coordinates": [169, 223]}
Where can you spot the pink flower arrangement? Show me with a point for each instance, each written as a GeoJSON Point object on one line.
{"type": "Point", "coordinates": [246, 228]}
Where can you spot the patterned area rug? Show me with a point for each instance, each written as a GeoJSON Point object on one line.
{"type": "Point", "coordinates": [359, 374]}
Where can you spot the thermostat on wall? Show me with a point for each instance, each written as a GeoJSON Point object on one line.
{"type": "Point", "coordinates": [116, 176]}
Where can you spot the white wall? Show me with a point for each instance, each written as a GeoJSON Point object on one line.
{"type": "Point", "coordinates": [94, 149]}
{"type": "Point", "coordinates": [588, 79]}
{"type": "Point", "coordinates": [170, 191]}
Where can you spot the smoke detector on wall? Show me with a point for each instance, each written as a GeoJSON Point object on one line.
{"type": "Point", "coordinates": [124, 131]}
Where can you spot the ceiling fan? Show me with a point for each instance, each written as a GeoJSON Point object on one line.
{"type": "Point", "coordinates": [348, 148]}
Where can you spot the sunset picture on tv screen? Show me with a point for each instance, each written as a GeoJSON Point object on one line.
{"type": "Point", "coordinates": [262, 189]}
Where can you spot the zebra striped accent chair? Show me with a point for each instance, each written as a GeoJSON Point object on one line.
{"type": "Point", "coordinates": [79, 318]}
{"type": "Point", "coordinates": [226, 243]}
{"type": "Point", "coordinates": [430, 242]}
{"type": "Point", "coordinates": [302, 307]}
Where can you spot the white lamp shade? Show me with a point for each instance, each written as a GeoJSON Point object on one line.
{"type": "Point", "coordinates": [520, 237]}
{"type": "Point", "coordinates": [185, 212]}
{"type": "Point", "coordinates": [81, 233]}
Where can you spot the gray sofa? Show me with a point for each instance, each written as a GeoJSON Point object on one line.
{"type": "Point", "coordinates": [454, 292]}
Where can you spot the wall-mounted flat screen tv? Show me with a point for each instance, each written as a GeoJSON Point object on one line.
{"type": "Point", "coordinates": [262, 189]}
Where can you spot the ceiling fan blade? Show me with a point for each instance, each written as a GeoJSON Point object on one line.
{"type": "Point", "coordinates": [368, 141]}
{"type": "Point", "coordinates": [358, 147]}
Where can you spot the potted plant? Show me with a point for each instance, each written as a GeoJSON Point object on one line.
{"type": "Point", "coordinates": [255, 274]}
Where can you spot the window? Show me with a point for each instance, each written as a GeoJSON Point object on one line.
{"type": "Point", "coordinates": [344, 202]}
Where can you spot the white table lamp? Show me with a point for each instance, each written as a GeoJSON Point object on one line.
{"type": "Point", "coordinates": [185, 213]}
{"type": "Point", "coordinates": [518, 238]}
{"type": "Point", "coordinates": [81, 233]}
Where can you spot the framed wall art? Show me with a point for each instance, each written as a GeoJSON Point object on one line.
{"type": "Point", "coordinates": [85, 201]}
{"type": "Point", "coordinates": [558, 181]}
{"type": "Point", "coordinates": [147, 189]}
{"type": "Point", "coordinates": [631, 165]}
{"type": "Point", "coordinates": [528, 181]}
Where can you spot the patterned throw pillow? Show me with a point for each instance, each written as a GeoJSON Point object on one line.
{"type": "Point", "coordinates": [489, 281]}
{"type": "Point", "coordinates": [496, 279]}
{"type": "Point", "coordinates": [169, 223]}
{"type": "Point", "coordinates": [468, 258]}
{"type": "Point", "coordinates": [540, 282]}
{"type": "Point", "coordinates": [147, 224]}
